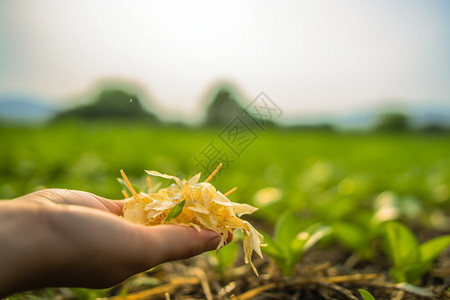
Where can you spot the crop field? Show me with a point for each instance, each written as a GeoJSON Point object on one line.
{"type": "Point", "coordinates": [340, 211]}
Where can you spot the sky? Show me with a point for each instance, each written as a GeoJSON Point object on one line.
{"type": "Point", "coordinates": [309, 57]}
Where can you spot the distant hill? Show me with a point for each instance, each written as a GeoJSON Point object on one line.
{"type": "Point", "coordinates": [223, 106]}
{"type": "Point", "coordinates": [110, 104]}
{"type": "Point", "coordinates": [25, 109]}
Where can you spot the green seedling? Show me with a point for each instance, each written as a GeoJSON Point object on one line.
{"type": "Point", "coordinates": [225, 257]}
{"type": "Point", "coordinates": [357, 236]}
{"type": "Point", "coordinates": [366, 295]}
{"type": "Point", "coordinates": [291, 240]}
{"type": "Point", "coordinates": [411, 260]}
{"type": "Point", "coordinates": [361, 231]}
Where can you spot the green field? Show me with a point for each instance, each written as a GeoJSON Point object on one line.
{"type": "Point", "coordinates": [312, 169]}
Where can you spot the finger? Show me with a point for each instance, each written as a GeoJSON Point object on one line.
{"type": "Point", "coordinates": [229, 237]}
{"type": "Point", "coordinates": [173, 242]}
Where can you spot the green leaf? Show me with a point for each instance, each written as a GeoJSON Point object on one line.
{"type": "Point", "coordinates": [286, 230]}
{"type": "Point", "coordinates": [278, 255]}
{"type": "Point", "coordinates": [366, 295]}
{"type": "Point", "coordinates": [126, 189]}
{"type": "Point", "coordinates": [175, 211]}
{"type": "Point", "coordinates": [272, 248]}
{"type": "Point", "coordinates": [339, 207]}
{"type": "Point", "coordinates": [403, 245]}
{"type": "Point", "coordinates": [397, 274]}
{"type": "Point", "coordinates": [307, 238]}
{"type": "Point", "coordinates": [226, 256]}
{"type": "Point", "coordinates": [351, 235]}
{"type": "Point", "coordinates": [285, 248]}
{"type": "Point", "coordinates": [410, 273]}
{"type": "Point", "coordinates": [287, 265]}
{"type": "Point", "coordinates": [432, 248]}
{"type": "Point", "coordinates": [317, 233]}
{"type": "Point", "coordinates": [302, 242]}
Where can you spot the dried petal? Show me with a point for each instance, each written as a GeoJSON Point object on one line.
{"type": "Point", "coordinates": [204, 207]}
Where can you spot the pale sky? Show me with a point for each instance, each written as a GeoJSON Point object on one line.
{"type": "Point", "coordinates": [308, 56]}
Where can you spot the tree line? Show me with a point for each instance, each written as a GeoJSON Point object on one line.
{"type": "Point", "coordinates": [112, 104]}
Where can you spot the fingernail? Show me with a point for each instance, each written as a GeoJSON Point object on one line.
{"type": "Point", "coordinates": [214, 241]}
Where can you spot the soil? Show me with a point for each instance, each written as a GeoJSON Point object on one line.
{"type": "Point", "coordinates": [328, 273]}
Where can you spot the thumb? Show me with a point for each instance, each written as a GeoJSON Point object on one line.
{"type": "Point", "coordinates": [164, 243]}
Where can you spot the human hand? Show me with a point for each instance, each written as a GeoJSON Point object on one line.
{"type": "Point", "coordinates": [72, 238]}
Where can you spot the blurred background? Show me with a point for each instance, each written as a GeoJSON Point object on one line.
{"type": "Point", "coordinates": [320, 107]}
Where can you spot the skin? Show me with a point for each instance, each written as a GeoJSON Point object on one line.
{"type": "Point", "coordinates": [59, 237]}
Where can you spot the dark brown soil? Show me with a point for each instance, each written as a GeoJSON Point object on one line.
{"type": "Point", "coordinates": [331, 273]}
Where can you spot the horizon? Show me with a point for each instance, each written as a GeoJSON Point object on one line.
{"type": "Point", "coordinates": [27, 108]}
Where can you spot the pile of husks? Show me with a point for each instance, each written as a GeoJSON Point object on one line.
{"type": "Point", "coordinates": [192, 203]}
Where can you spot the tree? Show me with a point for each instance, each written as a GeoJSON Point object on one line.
{"type": "Point", "coordinates": [223, 109]}
{"type": "Point", "coordinates": [393, 121]}
{"type": "Point", "coordinates": [111, 104]}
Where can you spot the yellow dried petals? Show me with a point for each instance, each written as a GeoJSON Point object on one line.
{"type": "Point", "coordinates": [204, 207]}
